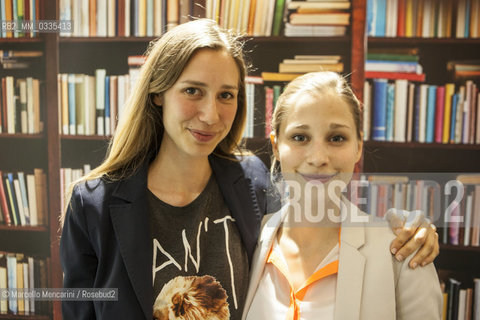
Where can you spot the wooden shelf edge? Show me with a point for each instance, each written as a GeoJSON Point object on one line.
{"type": "Point", "coordinates": [388, 144]}
{"type": "Point", "coordinates": [19, 316]}
{"type": "Point", "coordinates": [416, 41]}
{"type": "Point", "coordinates": [103, 39]}
{"type": "Point", "coordinates": [84, 137]}
{"type": "Point", "coordinates": [451, 247]}
{"type": "Point", "coordinates": [21, 40]}
{"type": "Point", "coordinates": [22, 135]}
{"type": "Point", "coordinates": [23, 228]}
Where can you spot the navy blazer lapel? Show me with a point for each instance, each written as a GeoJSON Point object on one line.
{"type": "Point", "coordinates": [130, 222]}
{"type": "Point", "coordinates": [240, 198]}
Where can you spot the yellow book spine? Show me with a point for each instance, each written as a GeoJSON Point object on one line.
{"type": "Point", "coordinates": [409, 19]}
{"type": "Point", "coordinates": [449, 91]}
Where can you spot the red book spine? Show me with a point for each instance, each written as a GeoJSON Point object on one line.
{"type": "Point", "coordinates": [439, 114]}
{"type": "Point", "coordinates": [401, 18]}
{"type": "Point", "coordinates": [3, 203]}
{"type": "Point", "coordinates": [268, 111]}
{"type": "Point", "coordinates": [26, 14]}
{"type": "Point", "coordinates": [121, 18]}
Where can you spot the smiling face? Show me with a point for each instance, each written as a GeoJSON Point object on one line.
{"type": "Point", "coordinates": [317, 139]}
{"type": "Point", "coordinates": [199, 109]}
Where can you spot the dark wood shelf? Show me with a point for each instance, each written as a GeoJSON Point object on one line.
{"type": "Point", "coordinates": [342, 39]}
{"type": "Point", "coordinates": [451, 247]}
{"type": "Point", "coordinates": [23, 228]}
{"type": "Point", "coordinates": [21, 40]}
{"type": "Point", "coordinates": [63, 40]}
{"type": "Point", "coordinates": [84, 137]}
{"type": "Point", "coordinates": [22, 136]}
{"type": "Point", "coordinates": [408, 145]}
{"type": "Point", "coordinates": [418, 41]}
{"type": "Point", "coordinates": [25, 317]}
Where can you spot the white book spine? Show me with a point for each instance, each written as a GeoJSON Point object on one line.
{"type": "Point", "coordinates": [23, 102]}
{"type": "Point", "coordinates": [400, 113]}
{"type": "Point", "coordinates": [18, 196]}
{"type": "Point", "coordinates": [423, 113]}
{"type": "Point", "coordinates": [30, 111]}
{"type": "Point", "coordinates": [32, 199]}
{"type": "Point", "coordinates": [10, 104]}
{"type": "Point", "coordinates": [100, 75]}
{"type": "Point", "coordinates": [468, 221]}
{"type": "Point", "coordinates": [24, 194]}
{"type": "Point", "coordinates": [31, 285]}
{"type": "Point", "coordinates": [367, 105]}
{"type": "Point", "coordinates": [102, 18]}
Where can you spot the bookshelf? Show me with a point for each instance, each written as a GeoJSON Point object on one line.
{"type": "Point", "coordinates": [449, 38]}
{"type": "Point", "coordinates": [54, 151]}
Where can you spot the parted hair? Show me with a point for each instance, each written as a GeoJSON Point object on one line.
{"type": "Point", "coordinates": [140, 130]}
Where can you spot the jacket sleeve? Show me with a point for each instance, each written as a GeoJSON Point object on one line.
{"type": "Point", "coordinates": [78, 258]}
{"type": "Point", "coordinates": [418, 293]}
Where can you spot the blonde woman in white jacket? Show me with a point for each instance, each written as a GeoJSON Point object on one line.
{"type": "Point", "coordinates": [320, 257]}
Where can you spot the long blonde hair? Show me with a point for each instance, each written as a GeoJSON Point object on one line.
{"type": "Point", "coordinates": [140, 130]}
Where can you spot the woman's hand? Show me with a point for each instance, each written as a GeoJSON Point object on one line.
{"type": "Point", "coordinates": [413, 231]}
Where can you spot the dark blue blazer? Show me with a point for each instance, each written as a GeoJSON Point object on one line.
{"type": "Point", "coordinates": [106, 237]}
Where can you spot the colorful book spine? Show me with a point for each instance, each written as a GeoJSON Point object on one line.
{"type": "Point", "coordinates": [390, 111]}
{"type": "Point", "coordinates": [379, 109]}
{"type": "Point", "coordinates": [439, 110]}
{"type": "Point", "coordinates": [431, 102]}
{"type": "Point", "coordinates": [449, 92]}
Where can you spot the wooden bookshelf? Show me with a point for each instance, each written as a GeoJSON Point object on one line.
{"type": "Point", "coordinates": [85, 54]}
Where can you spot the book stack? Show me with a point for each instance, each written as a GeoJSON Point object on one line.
{"type": "Point", "coordinates": [423, 19]}
{"type": "Point", "coordinates": [20, 106]}
{"type": "Point", "coordinates": [289, 69]}
{"type": "Point", "coordinates": [464, 69]}
{"type": "Point", "coordinates": [394, 63]}
{"type": "Point", "coordinates": [68, 176]}
{"type": "Point", "coordinates": [23, 198]}
{"type": "Point", "coordinates": [123, 18]}
{"type": "Point", "coordinates": [317, 18]}
{"type": "Point", "coordinates": [13, 59]}
{"type": "Point", "coordinates": [21, 274]}
{"type": "Point", "coordinates": [22, 15]}
{"type": "Point", "coordinates": [402, 111]}
{"type": "Point", "coordinates": [91, 104]}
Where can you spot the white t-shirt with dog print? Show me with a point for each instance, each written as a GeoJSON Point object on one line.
{"type": "Point", "coordinates": [200, 267]}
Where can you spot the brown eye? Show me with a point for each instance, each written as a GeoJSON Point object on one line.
{"type": "Point", "coordinates": [337, 139]}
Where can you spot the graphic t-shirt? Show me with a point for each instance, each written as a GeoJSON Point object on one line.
{"type": "Point", "coordinates": [200, 267]}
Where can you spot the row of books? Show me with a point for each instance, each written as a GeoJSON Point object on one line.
{"type": "Point", "coordinates": [452, 204]}
{"type": "Point", "coordinates": [252, 17]}
{"type": "Point", "coordinates": [460, 300]}
{"type": "Point", "coordinates": [267, 18]}
{"type": "Point", "coordinates": [17, 12]}
{"type": "Point", "coordinates": [403, 111]}
{"type": "Point", "coordinates": [20, 105]}
{"type": "Point", "coordinates": [23, 198]}
{"type": "Point", "coordinates": [91, 105]}
{"type": "Point", "coordinates": [123, 18]}
{"type": "Point", "coordinates": [21, 272]}
{"type": "Point", "coordinates": [423, 19]}
{"type": "Point", "coordinates": [69, 176]}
